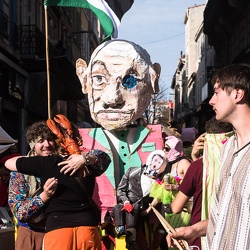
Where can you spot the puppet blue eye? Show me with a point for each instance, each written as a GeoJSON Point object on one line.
{"type": "Point", "coordinates": [129, 81]}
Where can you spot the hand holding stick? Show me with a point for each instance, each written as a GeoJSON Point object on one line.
{"type": "Point", "coordinates": [170, 229]}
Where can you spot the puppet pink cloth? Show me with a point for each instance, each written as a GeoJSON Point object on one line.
{"type": "Point", "coordinates": [176, 147]}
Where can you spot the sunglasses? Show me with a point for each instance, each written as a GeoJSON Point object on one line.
{"type": "Point", "coordinates": [167, 149]}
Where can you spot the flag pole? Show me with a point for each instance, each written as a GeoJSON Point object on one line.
{"type": "Point", "coordinates": [170, 229]}
{"type": "Point", "coordinates": [47, 58]}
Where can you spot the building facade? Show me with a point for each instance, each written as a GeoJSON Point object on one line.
{"type": "Point", "coordinates": [37, 72]}
{"type": "Point", "coordinates": [223, 37]}
{"type": "Point", "coordinates": [184, 79]}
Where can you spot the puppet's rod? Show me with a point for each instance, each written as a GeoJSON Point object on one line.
{"type": "Point", "coordinates": [47, 59]}
{"type": "Point", "coordinates": [169, 229]}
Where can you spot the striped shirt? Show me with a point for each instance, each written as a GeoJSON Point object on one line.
{"type": "Point", "coordinates": [229, 222]}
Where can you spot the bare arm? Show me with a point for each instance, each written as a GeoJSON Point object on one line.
{"type": "Point", "coordinates": [183, 167]}
{"type": "Point", "coordinates": [179, 202]}
{"type": "Point", "coordinates": [11, 163]}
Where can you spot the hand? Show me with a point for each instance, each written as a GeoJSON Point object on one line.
{"type": "Point", "coordinates": [170, 187]}
{"type": "Point", "coordinates": [145, 212]}
{"type": "Point", "coordinates": [188, 233]}
{"type": "Point", "coordinates": [49, 189]}
{"type": "Point", "coordinates": [72, 164]}
{"type": "Point", "coordinates": [177, 237]}
{"type": "Point", "coordinates": [198, 147]}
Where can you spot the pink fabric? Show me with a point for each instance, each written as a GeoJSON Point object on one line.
{"type": "Point", "coordinates": [176, 147]}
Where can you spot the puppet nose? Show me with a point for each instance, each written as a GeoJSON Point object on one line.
{"type": "Point", "coordinates": [112, 95]}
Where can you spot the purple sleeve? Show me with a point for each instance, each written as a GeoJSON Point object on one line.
{"type": "Point", "coordinates": [188, 184]}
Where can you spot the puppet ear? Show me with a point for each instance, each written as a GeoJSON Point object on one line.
{"type": "Point", "coordinates": [81, 67]}
{"type": "Point", "coordinates": [155, 77]}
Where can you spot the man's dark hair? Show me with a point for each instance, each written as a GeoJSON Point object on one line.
{"type": "Point", "coordinates": [234, 76]}
{"type": "Point", "coordinates": [216, 127]}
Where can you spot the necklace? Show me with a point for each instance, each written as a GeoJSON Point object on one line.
{"type": "Point", "coordinates": [237, 145]}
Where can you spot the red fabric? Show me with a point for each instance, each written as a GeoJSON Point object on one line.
{"type": "Point", "coordinates": [128, 207]}
{"type": "Point", "coordinates": [3, 194]}
{"type": "Point", "coordinates": [192, 186]}
{"type": "Point", "coordinates": [7, 157]}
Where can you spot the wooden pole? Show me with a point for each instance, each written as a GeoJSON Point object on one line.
{"type": "Point", "coordinates": [47, 59]}
{"type": "Point", "coordinates": [169, 229]}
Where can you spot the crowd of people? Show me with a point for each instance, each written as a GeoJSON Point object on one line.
{"type": "Point", "coordinates": [199, 182]}
{"type": "Point", "coordinates": [226, 225]}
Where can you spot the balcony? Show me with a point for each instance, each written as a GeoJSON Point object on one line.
{"type": "Point", "coordinates": [14, 36]}
{"type": "Point", "coordinates": [9, 31]}
{"type": "Point", "coordinates": [210, 14]}
{"type": "Point", "coordinates": [4, 21]}
{"type": "Point", "coordinates": [32, 43]}
{"type": "Point", "coordinates": [219, 15]}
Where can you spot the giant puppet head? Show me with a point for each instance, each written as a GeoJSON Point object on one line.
{"type": "Point", "coordinates": [119, 80]}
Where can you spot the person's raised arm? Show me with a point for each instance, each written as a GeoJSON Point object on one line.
{"type": "Point", "coordinates": [95, 161]}
{"type": "Point", "coordinates": [198, 147]}
{"type": "Point", "coordinates": [11, 163]}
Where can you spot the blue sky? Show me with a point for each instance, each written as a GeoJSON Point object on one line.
{"type": "Point", "coordinates": [158, 26]}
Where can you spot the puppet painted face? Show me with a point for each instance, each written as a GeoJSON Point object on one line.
{"type": "Point", "coordinates": [156, 163]}
{"type": "Point", "coordinates": [120, 81]}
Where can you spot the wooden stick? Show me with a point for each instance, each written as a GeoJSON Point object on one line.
{"type": "Point", "coordinates": [47, 58]}
{"type": "Point", "coordinates": [169, 229]}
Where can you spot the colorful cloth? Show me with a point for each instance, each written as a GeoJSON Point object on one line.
{"type": "Point", "coordinates": [24, 207]}
{"type": "Point", "coordinates": [211, 166]}
{"type": "Point", "coordinates": [21, 204]}
{"type": "Point", "coordinates": [159, 192]}
{"type": "Point", "coordinates": [166, 197]}
{"type": "Point", "coordinates": [109, 12]}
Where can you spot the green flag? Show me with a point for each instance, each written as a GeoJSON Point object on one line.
{"type": "Point", "coordinates": [109, 12]}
